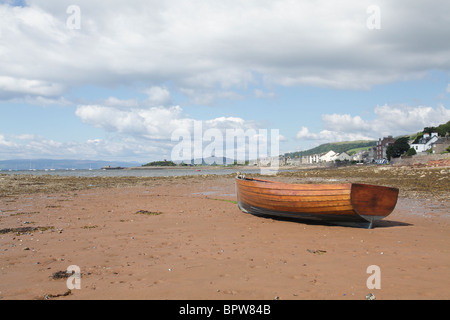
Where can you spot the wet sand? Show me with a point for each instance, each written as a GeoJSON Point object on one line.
{"type": "Point", "coordinates": [178, 238]}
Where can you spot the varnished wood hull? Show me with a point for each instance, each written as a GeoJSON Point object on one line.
{"type": "Point", "coordinates": [348, 203]}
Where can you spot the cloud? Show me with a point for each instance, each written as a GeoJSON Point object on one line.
{"type": "Point", "coordinates": [329, 136]}
{"type": "Point", "coordinates": [141, 134]}
{"type": "Point", "coordinates": [116, 147]}
{"type": "Point", "coordinates": [4, 142]}
{"type": "Point", "coordinates": [389, 120]}
{"type": "Point", "coordinates": [158, 96]}
{"type": "Point", "coordinates": [12, 86]}
{"type": "Point", "coordinates": [155, 123]}
{"type": "Point", "coordinates": [210, 50]}
{"type": "Point", "coordinates": [165, 127]}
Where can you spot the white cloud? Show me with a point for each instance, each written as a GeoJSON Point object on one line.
{"type": "Point", "coordinates": [115, 147]}
{"type": "Point", "coordinates": [158, 96]}
{"type": "Point", "coordinates": [389, 120]}
{"type": "Point", "coordinates": [4, 142]}
{"type": "Point", "coordinates": [21, 86]}
{"type": "Point", "coordinates": [155, 123]}
{"type": "Point", "coordinates": [212, 48]}
{"type": "Point", "coordinates": [329, 136]}
{"type": "Point", "coordinates": [160, 126]}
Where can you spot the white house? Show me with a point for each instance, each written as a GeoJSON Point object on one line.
{"type": "Point", "coordinates": [328, 157]}
{"type": "Point", "coordinates": [425, 143]}
{"type": "Point", "coordinates": [342, 157]}
{"type": "Point", "coordinates": [311, 159]}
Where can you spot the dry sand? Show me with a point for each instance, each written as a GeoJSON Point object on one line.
{"type": "Point", "coordinates": [176, 238]}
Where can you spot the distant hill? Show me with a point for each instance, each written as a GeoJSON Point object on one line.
{"type": "Point", "coordinates": [339, 147]}
{"type": "Point", "coordinates": [351, 147]}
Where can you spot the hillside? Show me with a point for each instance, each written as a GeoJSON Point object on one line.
{"type": "Point", "coordinates": [442, 130]}
{"type": "Point", "coordinates": [346, 146]}
{"type": "Point", "coordinates": [351, 147]}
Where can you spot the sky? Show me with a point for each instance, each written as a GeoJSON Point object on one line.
{"type": "Point", "coordinates": [113, 80]}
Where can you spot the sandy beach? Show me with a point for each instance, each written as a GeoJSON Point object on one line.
{"type": "Point", "coordinates": [185, 238]}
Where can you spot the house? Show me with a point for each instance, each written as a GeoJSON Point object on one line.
{"type": "Point", "coordinates": [366, 156]}
{"type": "Point", "coordinates": [370, 156]}
{"type": "Point", "coordinates": [425, 143]}
{"type": "Point", "coordinates": [296, 161]}
{"type": "Point", "coordinates": [342, 157]}
{"type": "Point", "coordinates": [440, 145]}
{"type": "Point", "coordinates": [327, 157]}
{"type": "Point", "coordinates": [382, 146]}
{"type": "Point", "coordinates": [359, 156]}
{"type": "Point", "coordinates": [311, 159]}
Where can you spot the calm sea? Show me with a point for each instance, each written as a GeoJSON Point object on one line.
{"type": "Point", "coordinates": [156, 172]}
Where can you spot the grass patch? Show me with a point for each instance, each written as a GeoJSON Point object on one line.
{"type": "Point", "coordinates": [148, 213]}
{"type": "Point", "coordinates": [24, 230]}
{"type": "Point", "coordinates": [89, 227]}
{"type": "Point", "coordinates": [230, 201]}
{"type": "Point", "coordinates": [51, 296]}
{"type": "Point", "coordinates": [23, 213]}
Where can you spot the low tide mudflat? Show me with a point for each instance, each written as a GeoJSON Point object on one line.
{"type": "Point", "coordinates": [175, 238]}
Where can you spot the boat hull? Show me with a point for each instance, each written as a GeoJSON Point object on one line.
{"type": "Point", "coordinates": [348, 204]}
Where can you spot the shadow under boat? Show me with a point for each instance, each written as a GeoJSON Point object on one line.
{"type": "Point", "coordinates": [320, 222]}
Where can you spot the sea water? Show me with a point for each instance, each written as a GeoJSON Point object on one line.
{"type": "Point", "coordinates": [151, 172]}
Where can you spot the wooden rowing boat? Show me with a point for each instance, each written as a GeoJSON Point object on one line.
{"type": "Point", "coordinates": [347, 203]}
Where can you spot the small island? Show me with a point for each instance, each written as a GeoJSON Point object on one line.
{"type": "Point", "coordinates": [164, 163]}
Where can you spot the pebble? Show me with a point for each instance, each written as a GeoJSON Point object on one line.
{"type": "Point", "coordinates": [370, 296]}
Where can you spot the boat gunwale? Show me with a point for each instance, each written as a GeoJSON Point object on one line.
{"type": "Point", "coordinates": [318, 185]}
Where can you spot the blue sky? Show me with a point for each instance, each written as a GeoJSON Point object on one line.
{"type": "Point", "coordinates": [117, 85]}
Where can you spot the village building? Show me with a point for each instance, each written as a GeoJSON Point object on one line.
{"type": "Point", "coordinates": [343, 156]}
{"type": "Point", "coordinates": [425, 143]}
{"type": "Point", "coordinates": [296, 161]}
{"type": "Point", "coordinates": [440, 145]}
{"type": "Point", "coordinates": [366, 156]}
{"type": "Point", "coordinates": [327, 157]}
{"type": "Point", "coordinates": [382, 146]}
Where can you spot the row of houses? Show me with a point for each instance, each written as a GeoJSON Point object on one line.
{"type": "Point", "coordinates": [429, 142]}
{"type": "Point", "coordinates": [329, 156]}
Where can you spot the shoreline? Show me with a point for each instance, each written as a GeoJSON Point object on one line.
{"type": "Point", "coordinates": [412, 181]}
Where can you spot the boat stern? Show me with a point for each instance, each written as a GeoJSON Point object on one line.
{"type": "Point", "coordinates": [373, 202]}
